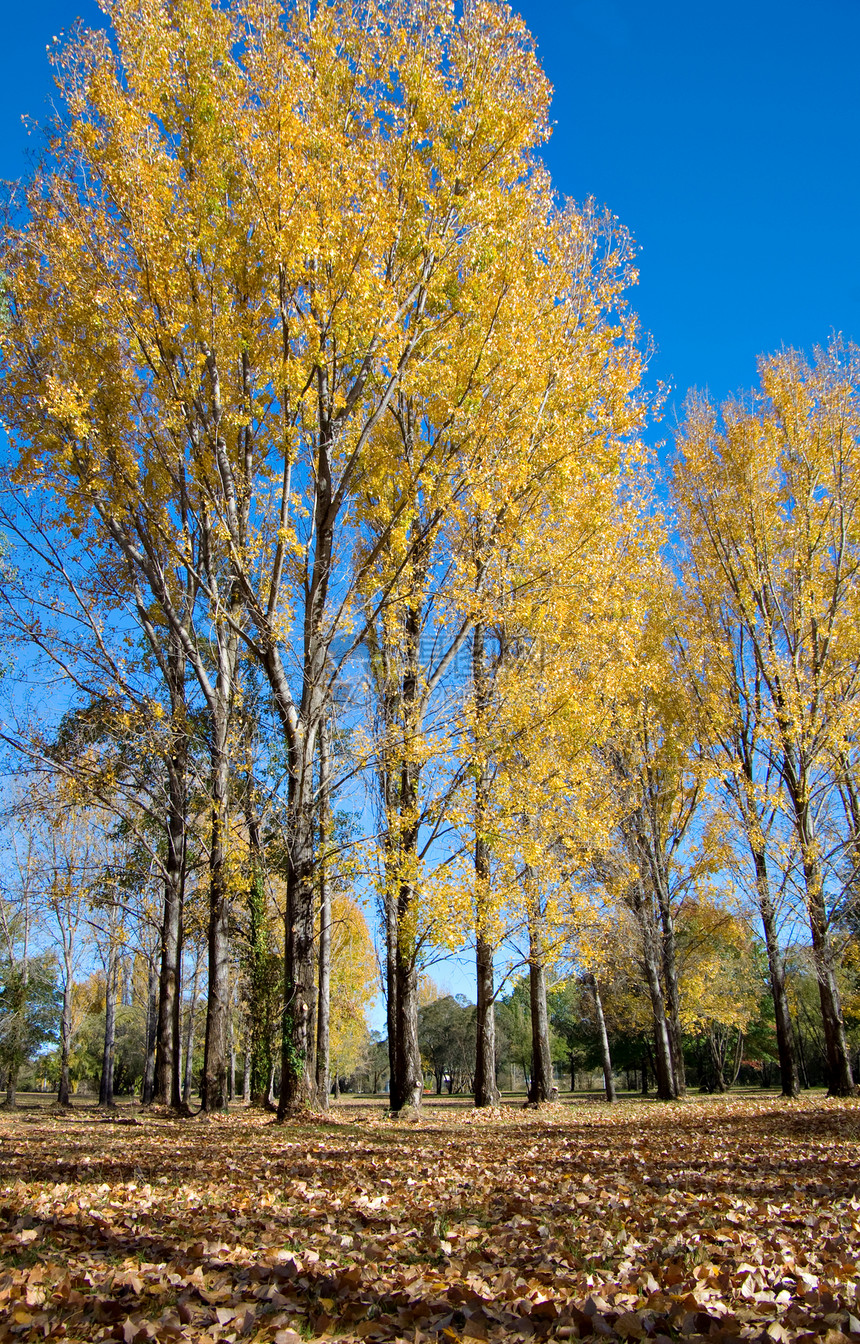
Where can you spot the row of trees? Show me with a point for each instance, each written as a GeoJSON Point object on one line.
{"type": "Point", "coordinates": [720, 1049]}
{"type": "Point", "coordinates": [79, 961]}
{"type": "Point", "coordinates": [329, 510]}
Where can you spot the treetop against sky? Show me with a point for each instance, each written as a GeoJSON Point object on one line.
{"type": "Point", "coordinates": [725, 139]}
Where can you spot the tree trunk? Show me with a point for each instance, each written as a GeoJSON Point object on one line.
{"type": "Point", "coordinates": [189, 1033]}
{"type": "Point", "coordinates": [608, 1080]}
{"type": "Point", "coordinates": [663, 1067]}
{"type": "Point", "coordinates": [542, 1084]}
{"type": "Point", "coordinates": [801, 1058]}
{"type": "Point", "coordinates": [324, 990]}
{"type": "Point", "coordinates": [407, 1083]}
{"type": "Point", "coordinates": [298, 1064]}
{"type": "Point", "coordinates": [169, 1032]}
{"type": "Point", "coordinates": [63, 1091]}
{"type": "Point", "coordinates": [389, 909]}
{"type": "Point", "coordinates": [214, 1089]}
{"type": "Point", "coordinates": [486, 1090]}
{"type": "Point", "coordinates": [739, 1057]}
{"type": "Point", "coordinates": [784, 1043]}
{"type": "Point", "coordinates": [148, 1089]}
{"type": "Point", "coordinates": [18, 1020]}
{"type": "Point", "coordinates": [232, 1078]}
{"type": "Point", "coordinates": [167, 1050]}
{"type": "Point", "coordinates": [258, 1050]}
{"type": "Point", "coordinates": [106, 1084]}
{"type": "Point", "coordinates": [12, 1085]}
{"type": "Point", "coordinates": [246, 1072]}
{"type": "Point", "coordinates": [717, 1061]}
{"type": "Point", "coordinates": [399, 772]}
{"type": "Point", "coordinates": [409, 1071]}
{"type": "Point", "coordinates": [672, 992]}
{"type": "Point", "coordinates": [298, 1080]}
{"type": "Point", "coordinates": [751, 813]}
{"type": "Point", "coordinates": [840, 1081]}
{"type": "Point", "coordinates": [218, 1005]}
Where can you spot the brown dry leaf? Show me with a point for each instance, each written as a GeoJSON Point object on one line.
{"type": "Point", "coordinates": [725, 1219]}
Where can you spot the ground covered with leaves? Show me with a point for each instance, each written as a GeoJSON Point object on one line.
{"type": "Point", "coordinates": [717, 1219]}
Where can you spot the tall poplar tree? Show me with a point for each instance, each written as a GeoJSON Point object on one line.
{"type": "Point", "coordinates": [769, 496]}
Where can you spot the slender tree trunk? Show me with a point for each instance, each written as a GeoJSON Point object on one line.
{"type": "Point", "coordinates": [840, 1078]}
{"type": "Point", "coordinates": [232, 1080]}
{"type": "Point", "coordinates": [410, 1074]}
{"type": "Point", "coordinates": [801, 1059]}
{"type": "Point", "coordinates": [246, 1072]}
{"type": "Point", "coordinates": [399, 777]}
{"type": "Point", "coordinates": [11, 1072]}
{"type": "Point", "coordinates": [148, 1089]}
{"type": "Point", "coordinates": [739, 1057]}
{"type": "Point", "coordinates": [409, 1069]}
{"type": "Point", "coordinates": [258, 1034]}
{"type": "Point", "coordinates": [389, 906]}
{"type": "Point", "coordinates": [18, 1022]}
{"type": "Point", "coordinates": [298, 1063]}
{"type": "Point", "coordinates": [840, 1081]}
{"type": "Point", "coordinates": [167, 1050]}
{"type": "Point", "coordinates": [168, 1038]}
{"type": "Point", "coordinates": [298, 1072]}
{"type": "Point", "coordinates": [776, 967]}
{"type": "Point", "coordinates": [64, 1089]}
{"type": "Point", "coordinates": [486, 1090]}
{"type": "Point", "coordinates": [214, 1089]}
{"type": "Point", "coordinates": [218, 998]}
{"type": "Point", "coordinates": [751, 813]}
{"type": "Point", "coordinates": [324, 990]}
{"type": "Point", "coordinates": [258, 1052]}
{"type": "Point", "coordinates": [608, 1080]}
{"type": "Point", "coordinates": [106, 1085]}
{"type": "Point", "coordinates": [407, 1075]}
{"type": "Point", "coordinates": [189, 1033]}
{"type": "Point", "coordinates": [717, 1061]}
{"type": "Point", "coordinates": [542, 1083]}
{"type": "Point", "coordinates": [301, 725]}
{"type": "Point", "coordinates": [672, 991]}
{"type": "Point", "coordinates": [663, 1066]}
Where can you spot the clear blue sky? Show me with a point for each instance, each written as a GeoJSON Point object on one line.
{"type": "Point", "coordinates": [726, 137]}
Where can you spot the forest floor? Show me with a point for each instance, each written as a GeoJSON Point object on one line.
{"type": "Point", "coordinates": [717, 1218]}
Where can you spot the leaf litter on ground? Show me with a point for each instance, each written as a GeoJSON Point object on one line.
{"type": "Point", "coordinates": [722, 1219]}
